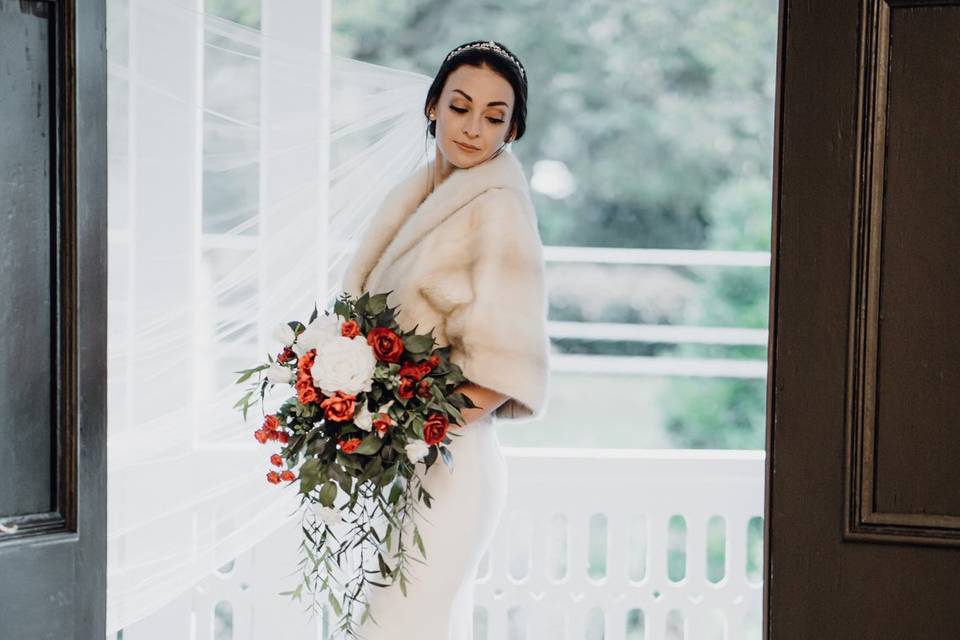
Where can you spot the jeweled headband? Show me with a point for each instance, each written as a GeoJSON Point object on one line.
{"type": "Point", "coordinates": [490, 46]}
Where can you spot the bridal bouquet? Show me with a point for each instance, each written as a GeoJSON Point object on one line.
{"type": "Point", "coordinates": [368, 403]}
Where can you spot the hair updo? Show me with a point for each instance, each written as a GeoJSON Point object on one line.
{"type": "Point", "coordinates": [508, 67]}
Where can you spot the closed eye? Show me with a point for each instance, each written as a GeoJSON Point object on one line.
{"type": "Point", "coordinates": [493, 120]}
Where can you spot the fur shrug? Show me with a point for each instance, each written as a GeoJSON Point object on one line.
{"type": "Point", "coordinates": [466, 259]}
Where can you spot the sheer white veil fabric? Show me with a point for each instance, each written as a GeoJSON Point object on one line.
{"type": "Point", "coordinates": [244, 165]}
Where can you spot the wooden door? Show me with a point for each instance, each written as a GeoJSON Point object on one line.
{"type": "Point", "coordinates": [52, 319]}
{"type": "Point", "coordinates": [863, 487]}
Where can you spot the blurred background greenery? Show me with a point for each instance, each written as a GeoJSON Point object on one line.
{"type": "Point", "coordinates": [650, 125]}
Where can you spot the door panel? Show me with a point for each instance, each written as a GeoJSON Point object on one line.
{"type": "Point", "coordinates": [863, 502]}
{"type": "Point", "coordinates": [52, 319]}
{"type": "Point", "coordinates": [27, 266]}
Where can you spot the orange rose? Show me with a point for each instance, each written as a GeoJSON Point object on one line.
{"type": "Point", "coordinates": [273, 477]}
{"type": "Point", "coordinates": [271, 422]}
{"type": "Point", "coordinates": [262, 435]}
{"type": "Point", "coordinates": [350, 329]}
{"type": "Point", "coordinates": [306, 392]}
{"type": "Point", "coordinates": [287, 476]}
{"type": "Point", "coordinates": [435, 428]}
{"type": "Point", "coordinates": [387, 345]}
{"type": "Point", "coordinates": [339, 407]}
{"type": "Point", "coordinates": [349, 445]}
{"type": "Point", "coordinates": [276, 460]}
{"type": "Point", "coordinates": [382, 422]}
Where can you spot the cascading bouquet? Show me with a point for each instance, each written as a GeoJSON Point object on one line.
{"type": "Point", "coordinates": [370, 402]}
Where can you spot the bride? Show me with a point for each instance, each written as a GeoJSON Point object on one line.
{"type": "Point", "coordinates": [457, 247]}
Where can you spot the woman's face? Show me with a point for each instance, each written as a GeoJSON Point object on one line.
{"type": "Point", "coordinates": [473, 115]}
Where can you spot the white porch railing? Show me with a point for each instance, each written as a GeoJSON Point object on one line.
{"type": "Point", "coordinates": [611, 544]}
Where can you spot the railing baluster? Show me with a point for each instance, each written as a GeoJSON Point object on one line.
{"type": "Point", "coordinates": [623, 485]}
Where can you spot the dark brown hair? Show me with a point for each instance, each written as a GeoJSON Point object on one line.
{"type": "Point", "coordinates": [509, 69]}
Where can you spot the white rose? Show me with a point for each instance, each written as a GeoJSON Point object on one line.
{"type": "Point", "coordinates": [344, 364]}
{"type": "Point", "coordinates": [284, 334]}
{"type": "Point", "coordinates": [363, 418]}
{"type": "Point", "coordinates": [317, 332]}
{"type": "Point", "coordinates": [278, 374]}
{"type": "Point", "coordinates": [416, 450]}
{"type": "Point", "coordinates": [329, 515]}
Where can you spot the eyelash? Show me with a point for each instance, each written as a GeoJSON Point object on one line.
{"type": "Point", "coordinates": [493, 120]}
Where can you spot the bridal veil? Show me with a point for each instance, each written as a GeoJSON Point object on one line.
{"type": "Point", "coordinates": [243, 165]}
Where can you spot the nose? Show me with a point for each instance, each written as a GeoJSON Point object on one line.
{"type": "Point", "coordinates": [472, 128]}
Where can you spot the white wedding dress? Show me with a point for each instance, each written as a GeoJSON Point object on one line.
{"type": "Point", "coordinates": [456, 530]}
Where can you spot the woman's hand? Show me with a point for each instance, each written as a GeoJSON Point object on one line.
{"type": "Point", "coordinates": [487, 400]}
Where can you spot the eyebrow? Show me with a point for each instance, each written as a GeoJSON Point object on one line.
{"type": "Point", "coordinates": [489, 104]}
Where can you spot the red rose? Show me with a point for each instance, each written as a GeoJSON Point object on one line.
{"type": "Point", "coordinates": [435, 428]}
{"type": "Point", "coordinates": [286, 355]}
{"type": "Point", "coordinates": [339, 407]}
{"type": "Point", "coordinates": [415, 370]}
{"type": "Point", "coordinates": [423, 389]}
{"type": "Point", "coordinates": [387, 345]}
{"type": "Point", "coordinates": [261, 435]}
{"type": "Point", "coordinates": [272, 435]}
{"type": "Point", "coordinates": [349, 445]}
{"type": "Point", "coordinates": [409, 370]}
{"type": "Point", "coordinates": [287, 476]}
{"type": "Point", "coordinates": [434, 360]}
{"type": "Point", "coordinates": [273, 477]}
{"type": "Point", "coordinates": [406, 388]}
{"type": "Point", "coordinates": [271, 422]}
{"type": "Point", "coordinates": [350, 329]}
{"type": "Point", "coordinates": [382, 422]}
{"type": "Point", "coordinates": [276, 460]}
{"type": "Point", "coordinates": [283, 437]}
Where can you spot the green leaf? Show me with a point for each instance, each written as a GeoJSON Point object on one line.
{"type": "Point", "coordinates": [243, 401]}
{"type": "Point", "coordinates": [447, 457]}
{"type": "Point", "coordinates": [370, 444]}
{"type": "Point", "coordinates": [249, 372]}
{"type": "Point", "coordinates": [377, 304]}
{"type": "Point", "coordinates": [328, 493]}
{"type": "Point", "coordinates": [309, 475]}
{"type": "Point", "coordinates": [384, 569]}
{"type": "Point", "coordinates": [418, 344]}
{"type": "Point", "coordinates": [389, 474]}
{"type": "Point", "coordinates": [419, 541]}
{"type": "Point", "coordinates": [334, 603]}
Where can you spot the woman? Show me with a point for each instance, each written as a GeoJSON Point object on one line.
{"type": "Point", "coordinates": [456, 244]}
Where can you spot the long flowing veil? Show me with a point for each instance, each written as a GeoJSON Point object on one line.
{"type": "Point", "coordinates": [243, 165]}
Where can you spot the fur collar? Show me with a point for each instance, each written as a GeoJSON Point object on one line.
{"type": "Point", "coordinates": [408, 212]}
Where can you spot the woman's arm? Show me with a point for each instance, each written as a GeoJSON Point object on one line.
{"type": "Point", "coordinates": [487, 400]}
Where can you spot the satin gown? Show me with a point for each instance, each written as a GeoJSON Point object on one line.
{"type": "Point", "coordinates": [456, 530]}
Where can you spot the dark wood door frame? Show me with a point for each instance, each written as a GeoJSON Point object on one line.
{"type": "Point", "coordinates": [53, 560]}
{"type": "Point", "coordinates": [862, 498]}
